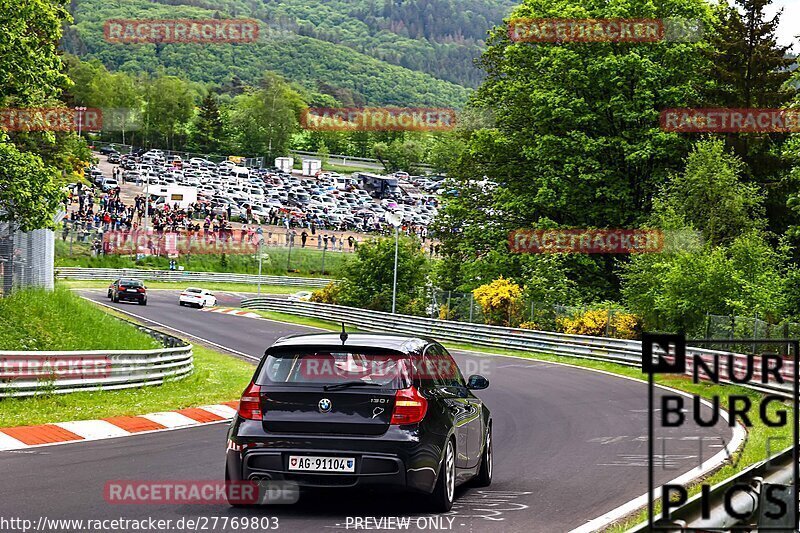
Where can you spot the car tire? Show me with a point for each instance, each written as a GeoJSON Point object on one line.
{"type": "Point", "coordinates": [236, 505]}
{"type": "Point", "coordinates": [484, 477]}
{"type": "Point", "coordinates": [201, 304]}
{"type": "Point", "coordinates": [444, 491]}
{"type": "Point", "coordinates": [143, 302]}
{"type": "Point", "coordinates": [181, 303]}
{"type": "Point", "coordinates": [115, 298]}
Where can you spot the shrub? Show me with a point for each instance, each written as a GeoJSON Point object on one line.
{"type": "Point", "coordinates": [595, 322]}
{"type": "Point", "coordinates": [500, 301]}
{"type": "Point", "coordinates": [531, 325]}
{"type": "Point", "coordinates": [329, 294]}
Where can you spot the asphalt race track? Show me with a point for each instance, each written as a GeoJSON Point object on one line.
{"type": "Point", "coordinates": [570, 445]}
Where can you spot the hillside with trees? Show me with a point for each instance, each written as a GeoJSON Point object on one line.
{"type": "Point", "coordinates": [410, 53]}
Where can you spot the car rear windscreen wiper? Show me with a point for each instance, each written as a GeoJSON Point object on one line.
{"type": "Point", "coordinates": [348, 384]}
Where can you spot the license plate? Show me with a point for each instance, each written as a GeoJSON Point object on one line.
{"type": "Point", "coordinates": [322, 464]}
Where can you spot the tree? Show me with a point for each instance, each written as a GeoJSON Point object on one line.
{"type": "Point", "coordinates": [710, 197]}
{"type": "Point", "coordinates": [264, 119]}
{"type": "Point", "coordinates": [209, 133]}
{"type": "Point", "coordinates": [31, 75]}
{"type": "Point", "coordinates": [748, 69]}
{"type": "Point", "coordinates": [575, 139]}
{"type": "Point", "coordinates": [368, 278]}
{"type": "Point", "coordinates": [169, 104]}
{"type": "Point", "coordinates": [399, 154]}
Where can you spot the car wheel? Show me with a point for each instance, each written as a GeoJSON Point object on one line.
{"type": "Point", "coordinates": [181, 303]}
{"type": "Point", "coordinates": [234, 503]}
{"type": "Point", "coordinates": [143, 302]}
{"type": "Point", "coordinates": [484, 477]}
{"type": "Point", "coordinates": [442, 497]}
{"type": "Point", "coordinates": [115, 298]}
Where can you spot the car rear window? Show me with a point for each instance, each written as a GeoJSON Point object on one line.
{"type": "Point", "coordinates": [131, 283]}
{"type": "Point", "coordinates": [194, 290]}
{"type": "Point", "coordinates": [331, 366]}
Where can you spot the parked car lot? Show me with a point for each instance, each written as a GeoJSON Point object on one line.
{"type": "Point", "coordinates": [328, 200]}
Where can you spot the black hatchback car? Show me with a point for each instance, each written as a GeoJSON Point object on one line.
{"type": "Point", "coordinates": [331, 411]}
{"type": "Point", "coordinates": [130, 290]}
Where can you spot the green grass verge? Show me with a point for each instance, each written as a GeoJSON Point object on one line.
{"type": "Point", "coordinates": [277, 261]}
{"type": "Point", "coordinates": [753, 450]}
{"type": "Point", "coordinates": [34, 319]}
{"type": "Point", "coordinates": [216, 378]}
{"type": "Point", "coordinates": [215, 286]}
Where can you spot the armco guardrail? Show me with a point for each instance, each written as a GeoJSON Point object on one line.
{"type": "Point", "coordinates": [56, 372]}
{"type": "Point", "coordinates": [777, 470]}
{"type": "Point", "coordinates": [627, 352]}
{"type": "Point", "coordinates": [178, 276]}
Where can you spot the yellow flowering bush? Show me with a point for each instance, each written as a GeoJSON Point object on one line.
{"type": "Point", "coordinates": [531, 325]}
{"type": "Point", "coordinates": [595, 322]}
{"type": "Point", "coordinates": [329, 294]}
{"type": "Point", "coordinates": [500, 301]}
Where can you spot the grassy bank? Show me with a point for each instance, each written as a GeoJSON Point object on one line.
{"type": "Point", "coordinates": [216, 378]}
{"type": "Point", "coordinates": [229, 287]}
{"type": "Point", "coordinates": [754, 449]}
{"type": "Point", "coordinates": [35, 319]}
{"type": "Point", "coordinates": [276, 261]}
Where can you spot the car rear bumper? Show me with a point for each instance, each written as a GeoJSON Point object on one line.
{"type": "Point", "coordinates": [131, 296]}
{"type": "Point", "coordinates": [395, 459]}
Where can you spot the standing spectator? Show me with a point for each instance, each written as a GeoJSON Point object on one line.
{"type": "Point", "coordinates": [303, 239]}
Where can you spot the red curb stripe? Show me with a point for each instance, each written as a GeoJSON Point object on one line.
{"type": "Point", "coordinates": [44, 434]}
{"type": "Point", "coordinates": [200, 415]}
{"type": "Point", "coordinates": [234, 404]}
{"type": "Point", "coordinates": [134, 424]}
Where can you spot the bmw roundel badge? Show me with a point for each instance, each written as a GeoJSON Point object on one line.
{"type": "Point", "coordinates": [324, 405]}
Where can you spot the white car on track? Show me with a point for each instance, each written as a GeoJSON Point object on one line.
{"type": "Point", "coordinates": [197, 297]}
{"type": "Point", "coordinates": [300, 296]}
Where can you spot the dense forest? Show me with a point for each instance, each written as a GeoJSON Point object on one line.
{"type": "Point", "coordinates": [398, 53]}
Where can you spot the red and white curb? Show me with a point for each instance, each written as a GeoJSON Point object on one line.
{"type": "Point", "coordinates": [21, 437]}
{"type": "Point", "coordinates": [231, 311]}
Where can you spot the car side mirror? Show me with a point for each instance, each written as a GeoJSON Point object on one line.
{"type": "Point", "coordinates": [477, 382]}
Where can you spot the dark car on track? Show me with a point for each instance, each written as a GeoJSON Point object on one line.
{"type": "Point", "coordinates": [365, 410]}
{"type": "Point", "coordinates": [130, 290]}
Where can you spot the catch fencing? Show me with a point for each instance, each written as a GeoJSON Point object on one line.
{"type": "Point", "coordinates": [26, 258]}
{"type": "Point", "coordinates": [185, 276]}
{"type": "Point", "coordinates": [60, 372]}
{"type": "Point", "coordinates": [626, 352]}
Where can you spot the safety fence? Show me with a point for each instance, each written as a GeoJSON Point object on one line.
{"type": "Point", "coordinates": [757, 490]}
{"type": "Point", "coordinates": [622, 351]}
{"type": "Point", "coordinates": [26, 258]}
{"type": "Point", "coordinates": [185, 276]}
{"type": "Point", "coordinates": [59, 372]}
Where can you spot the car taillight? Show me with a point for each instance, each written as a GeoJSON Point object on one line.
{"type": "Point", "coordinates": [409, 406]}
{"type": "Point", "coordinates": [141, 290]}
{"type": "Point", "coordinates": [122, 288]}
{"type": "Point", "coordinates": [250, 403]}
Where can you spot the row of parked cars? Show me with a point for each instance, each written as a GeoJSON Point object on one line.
{"type": "Point", "coordinates": [329, 199]}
